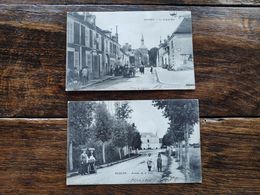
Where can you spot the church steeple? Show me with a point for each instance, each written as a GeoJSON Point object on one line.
{"type": "Point", "coordinates": [142, 40]}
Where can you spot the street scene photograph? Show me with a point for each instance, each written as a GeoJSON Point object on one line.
{"type": "Point", "coordinates": [133, 142]}
{"type": "Point", "coordinates": [129, 50]}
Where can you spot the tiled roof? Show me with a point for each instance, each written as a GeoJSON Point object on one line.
{"type": "Point", "coordinates": [185, 26]}
{"type": "Point", "coordinates": [146, 134]}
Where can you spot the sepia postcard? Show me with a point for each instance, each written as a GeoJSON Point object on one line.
{"type": "Point", "coordinates": [129, 50]}
{"type": "Point", "coordinates": [133, 142]}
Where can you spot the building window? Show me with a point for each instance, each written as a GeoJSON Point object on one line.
{"type": "Point", "coordinates": [114, 49]}
{"type": "Point", "coordinates": [76, 60]}
{"type": "Point", "coordinates": [97, 41]}
{"type": "Point", "coordinates": [111, 48]}
{"type": "Point", "coordinates": [101, 65]}
{"type": "Point", "coordinates": [172, 44]}
{"type": "Point", "coordinates": [70, 32]}
{"type": "Point", "coordinates": [71, 60]}
{"type": "Point", "coordinates": [82, 35]}
{"type": "Point", "coordinates": [76, 33]}
{"type": "Point", "coordinates": [89, 61]}
{"type": "Point", "coordinates": [86, 37]}
{"type": "Point", "coordinates": [102, 44]}
{"type": "Point", "coordinates": [91, 38]}
{"type": "Point", "coordinates": [107, 46]}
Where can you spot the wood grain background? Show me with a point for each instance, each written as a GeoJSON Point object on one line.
{"type": "Point", "coordinates": [33, 101]}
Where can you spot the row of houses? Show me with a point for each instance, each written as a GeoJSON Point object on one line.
{"type": "Point", "coordinates": [92, 47]}
{"type": "Point", "coordinates": [175, 52]}
{"type": "Point", "coordinates": [96, 49]}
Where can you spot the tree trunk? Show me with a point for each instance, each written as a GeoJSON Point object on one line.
{"type": "Point", "coordinates": [186, 165]}
{"type": "Point", "coordinates": [178, 152]}
{"type": "Point", "coordinates": [70, 156]}
{"type": "Point", "coordinates": [129, 151]}
{"type": "Point", "coordinates": [103, 152]}
{"type": "Point", "coordinates": [181, 156]}
{"type": "Point", "coordinates": [119, 151]}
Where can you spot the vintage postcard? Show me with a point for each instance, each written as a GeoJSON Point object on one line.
{"type": "Point", "coordinates": [129, 50]}
{"type": "Point", "coordinates": [133, 142]}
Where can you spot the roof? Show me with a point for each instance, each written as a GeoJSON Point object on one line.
{"type": "Point", "coordinates": [148, 134]}
{"type": "Point", "coordinates": [184, 27]}
{"type": "Point", "coordinates": [80, 18]}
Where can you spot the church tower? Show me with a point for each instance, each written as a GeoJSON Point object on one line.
{"type": "Point", "coordinates": [142, 41]}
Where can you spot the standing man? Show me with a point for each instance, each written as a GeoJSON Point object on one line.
{"type": "Point", "coordinates": [149, 162]}
{"type": "Point", "coordinates": [85, 75]}
{"type": "Point", "coordinates": [159, 163]}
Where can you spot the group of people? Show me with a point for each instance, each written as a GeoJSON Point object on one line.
{"type": "Point", "coordinates": [79, 76]}
{"type": "Point", "coordinates": [142, 68]}
{"type": "Point", "coordinates": [150, 162]}
{"type": "Point", "coordinates": [87, 163]}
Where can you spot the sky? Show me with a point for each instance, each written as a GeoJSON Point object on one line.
{"type": "Point", "coordinates": [148, 118]}
{"type": "Point", "coordinates": [131, 25]}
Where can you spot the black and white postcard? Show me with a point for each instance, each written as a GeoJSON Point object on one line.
{"type": "Point", "coordinates": [133, 142]}
{"type": "Point", "coordinates": [130, 50]}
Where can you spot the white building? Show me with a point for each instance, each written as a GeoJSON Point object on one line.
{"type": "Point", "coordinates": [150, 141]}
{"type": "Point", "coordinates": [175, 53]}
{"type": "Point", "coordinates": [180, 46]}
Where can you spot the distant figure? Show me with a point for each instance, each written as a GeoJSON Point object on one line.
{"type": "Point", "coordinates": [151, 70]}
{"type": "Point", "coordinates": [149, 162]}
{"type": "Point", "coordinates": [159, 163]}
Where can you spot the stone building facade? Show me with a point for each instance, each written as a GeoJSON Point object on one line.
{"type": "Point", "coordinates": [176, 52]}
{"type": "Point", "coordinates": [90, 46]}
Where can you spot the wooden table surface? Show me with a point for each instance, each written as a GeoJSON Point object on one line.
{"type": "Point", "coordinates": [33, 101]}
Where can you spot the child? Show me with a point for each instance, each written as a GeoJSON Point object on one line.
{"type": "Point", "coordinates": [149, 162]}
{"type": "Point", "coordinates": [159, 163]}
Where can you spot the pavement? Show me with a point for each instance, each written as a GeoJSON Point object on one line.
{"type": "Point", "coordinates": [175, 174]}
{"type": "Point", "coordinates": [133, 171]}
{"type": "Point", "coordinates": [144, 81]}
{"type": "Point", "coordinates": [96, 81]}
{"type": "Point", "coordinates": [159, 79]}
{"type": "Point", "coordinates": [178, 79]}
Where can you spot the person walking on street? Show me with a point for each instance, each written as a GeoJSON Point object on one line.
{"type": "Point", "coordinates": [151, 69]}
{"type": "Point", "coordinates": [149, 162]}
{"type": "Point", "coordinates": [159, 163]}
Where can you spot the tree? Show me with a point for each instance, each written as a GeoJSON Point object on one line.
{"type": "Point", "coordinates": [80, 120]}
{"type": "Point", "coordinates": [183, 115]}
{"type": "Point", "coordinates": [123, 110]}
{"type": "Point", "coordinates": [136, 143]}
{"type": "Point", "coordinates": [119, 136]}
{"type": "Point", "coordinates": [103, 126]}
{"type": "Point", "coordinates": [153, 56]}
{"type": "Point", "coordinates": [167, 139]}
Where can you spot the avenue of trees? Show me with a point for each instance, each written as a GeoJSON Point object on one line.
{"type": "Point", "coordinates": [91, 125]}
{"type": "Point", "coordinates": [182, 115]}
